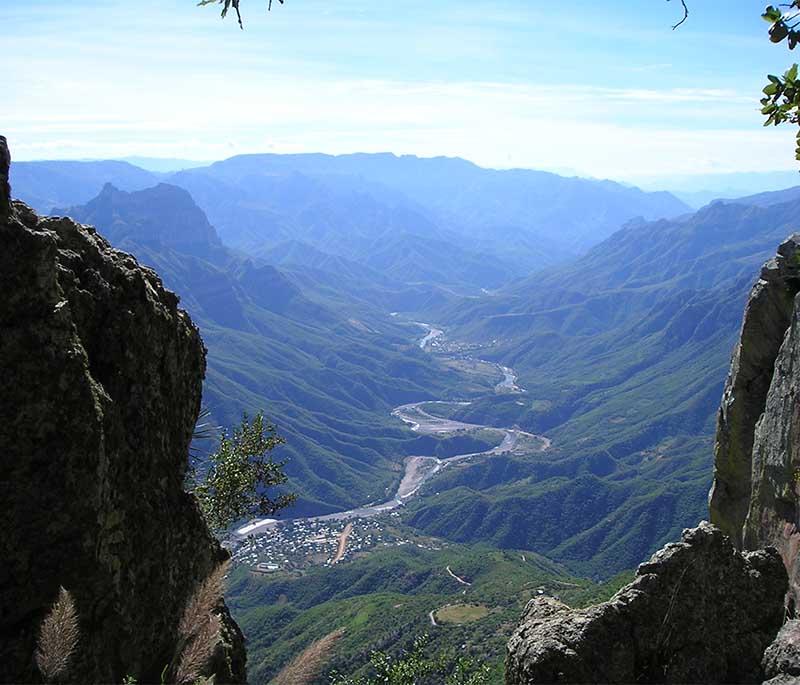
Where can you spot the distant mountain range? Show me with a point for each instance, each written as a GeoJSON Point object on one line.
{"type": "Point", "coordinates": [698, 190]}
{"type": "Point", "coordinates": [291, 266]}
{"type": "Point", "coordinates": [623, 353]}
{"type": "Point", "coordinates": [328, 373]}
{"type": "Point", "coordinates": [398, 215]}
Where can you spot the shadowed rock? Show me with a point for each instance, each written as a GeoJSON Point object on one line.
{"type": "Point", "coordinates": [5, 190]}
{"type": "Point", "coordinates": [102, 375]}
{"type": "Point", "coordinates": [782, 658]}
{"type": "Point", "coordinates": [697, 612]}
{"type": "Point", "coordinates": [766, 319]}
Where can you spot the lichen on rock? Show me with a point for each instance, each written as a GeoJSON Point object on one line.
{"type": "Point", "coordinates": [102, 376]}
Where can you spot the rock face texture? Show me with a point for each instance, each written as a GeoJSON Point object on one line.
{"type": "Point", "coordinates": [767, 317]}
{"type": "Point", "coordinates": [697, 612]}
{"type": "Point", "coordinates": [700, 610]}
{"type": "Point", "coordinates": [5, 165]}
{"type": "Point", "coordinates": [164, 216]}
{"type": "Point", "coordinates": [782, 659]}
{"type": "Point", "coordinates": [774, 513]}
{"type": "Point", "coordinates": [756, 492]}
{"type": "Point", "coordinates": [101, 380]}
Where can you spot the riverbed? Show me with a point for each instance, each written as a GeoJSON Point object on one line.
{"type": "Point", "coordinates": [420, 469]}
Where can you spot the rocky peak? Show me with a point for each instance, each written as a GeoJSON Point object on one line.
{"type": "Point", "coordinates": [102, 376]}
{"type": "Point", "coordinates": [5, 166]}
{"type": "Point", "coordinates": [697, 612]}
{"type": "Point", "coordinates": [163, 215]}
{"type": "Point", "coordinates": [768, 314]}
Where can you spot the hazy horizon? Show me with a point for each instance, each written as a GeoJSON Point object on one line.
{"type": "Point", "coordinates": [606, 92]}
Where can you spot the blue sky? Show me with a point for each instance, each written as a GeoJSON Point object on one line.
{"type": "Point", "coordinates": [600, 87]}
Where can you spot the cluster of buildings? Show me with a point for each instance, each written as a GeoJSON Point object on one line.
{"type": "Point", "coordinates": [295, 545]}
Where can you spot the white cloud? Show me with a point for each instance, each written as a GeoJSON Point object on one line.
{"type": "Point", "coordinates": [600, 131]}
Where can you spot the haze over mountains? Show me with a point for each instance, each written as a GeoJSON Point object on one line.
{"type": "Point", "coordinates": [591, 313]}
{"type": "Point", "coordinates": [617, 309]}
{"type": "Point", "coordinates": [394, 214]}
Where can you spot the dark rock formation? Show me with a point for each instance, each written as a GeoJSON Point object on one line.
{"type": "Point", "coordinates": [697, 612]}
{"type": "Point", "coordinates": [782, 658]}
{"type": "Point", "coordinates": [101, 380]}
{"type": "Point", "coordinates": [5, 166]}
{"type": "Point", "coordinates": [767, 317]}
{"type": "Point", "coordinates": [164, 216]}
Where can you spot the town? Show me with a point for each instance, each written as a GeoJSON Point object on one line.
{"type": "Point", "coordinates": [295, 545]}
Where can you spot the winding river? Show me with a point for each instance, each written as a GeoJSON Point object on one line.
{"type": "Point", "coordinates": [420, 469]}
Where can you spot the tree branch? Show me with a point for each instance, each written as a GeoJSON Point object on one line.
{"type": "Point", "coordinates": [685, 15]}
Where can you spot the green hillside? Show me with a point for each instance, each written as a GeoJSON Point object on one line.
{"type": "Point", "coordinates": [623, 355]}
{"type": "Point", "coordinates": [327, 370]}
{"type": "Point", "coordinates": [384, 599]}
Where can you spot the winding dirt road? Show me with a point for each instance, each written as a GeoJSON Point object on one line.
{"type": "Point", "coordinates": [419, 469]}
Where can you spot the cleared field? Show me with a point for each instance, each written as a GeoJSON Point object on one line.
{"type": "Point", "coordinates": [461, 613]}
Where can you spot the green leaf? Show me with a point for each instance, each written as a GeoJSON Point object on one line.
{"type": "Point", "coordinates": [778, 32]}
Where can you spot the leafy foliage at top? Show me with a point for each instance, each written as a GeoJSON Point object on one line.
{"type": "Point", "coordinates": [781, 101]}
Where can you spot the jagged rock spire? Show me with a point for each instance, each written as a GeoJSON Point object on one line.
{"type": "Point", "coordinates": [767, 318]}
{"type": "Point", "coordinates": [5, 188]}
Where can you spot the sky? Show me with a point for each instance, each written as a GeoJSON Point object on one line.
{"type": "Point", "coordinates": [601, 88]}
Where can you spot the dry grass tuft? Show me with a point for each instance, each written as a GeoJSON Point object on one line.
{"type": "Point", "coordinates": [198, 651]}
{"type": "Point", "coordinates": [58, 637]}
{"type": "Point", "coordinates": [203, 601]}
{"type": "Point", "coordinates": [306, 667]}
{"type": "Point", "coordinates": [199, 629]}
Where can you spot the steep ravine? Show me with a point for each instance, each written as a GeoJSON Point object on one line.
{"type": "Point", "coordinates": [102, 376]}
{"type": "Point", "coordinates": [707, 609]}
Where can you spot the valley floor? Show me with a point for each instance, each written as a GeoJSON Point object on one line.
{"type": "Point", "coordinates": [420, 469]}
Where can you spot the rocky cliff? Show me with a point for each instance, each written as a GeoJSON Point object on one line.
{"type": "Point", "coordinates": [102, 376]}
{"type": "Point", "coordinates": [706, 610]}
{"type": "Point", "coordinates": [753, 390]}
{"type": "Point", "coordinates": [756, 491]}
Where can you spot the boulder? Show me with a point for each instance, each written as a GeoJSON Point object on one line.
{"type": "Point", "coordinates": [782, 658]}
{"type": "Point", "coordinates": [698, 612]}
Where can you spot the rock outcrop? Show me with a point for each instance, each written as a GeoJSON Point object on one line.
{"type": "Point", "coordinates": [756, 491]}
{"type": "Point", "coordinates": [774, 511]}
{"type": "Point", "coordinates": [5, 189]}
{"type": "Point", "coordinates": [102, 376]}
{"type": "Point", "coordinates": [782, 659]}
{"type": "Point", "coordinates": [767, 317]}
{"type": "Point", "coordinates": [697, 612]}
{"type": "Point", "coordinates": [164, 216]}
